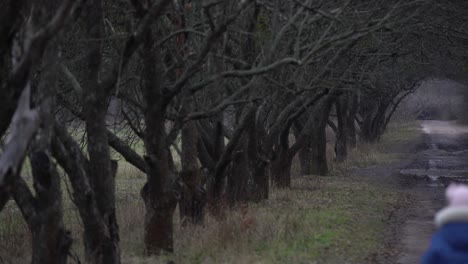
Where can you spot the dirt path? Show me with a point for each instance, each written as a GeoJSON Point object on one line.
{"type": "Point", "coordinates": [417, 227]}
{"type": "Point", "coordinates": [440, 159]}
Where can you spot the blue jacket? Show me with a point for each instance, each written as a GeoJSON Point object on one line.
{"type": "Point", "coordinates": [449, 245]}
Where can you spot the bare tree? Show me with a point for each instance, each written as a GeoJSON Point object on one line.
{"type": "Point", "coordinates": [235, 89]}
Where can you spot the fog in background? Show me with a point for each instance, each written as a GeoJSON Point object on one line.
{"type": "Point", "coordinates": [436, 100]}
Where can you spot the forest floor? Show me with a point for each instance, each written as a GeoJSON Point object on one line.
{"type": "Point", "coordinates": [377, 207]}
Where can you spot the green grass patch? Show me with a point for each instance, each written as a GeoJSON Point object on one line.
{"type": "Point", "coordinates": [400, 132]}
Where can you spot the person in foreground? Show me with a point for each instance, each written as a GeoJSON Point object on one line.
{"type": "Point", "coordinates": [450, 243]}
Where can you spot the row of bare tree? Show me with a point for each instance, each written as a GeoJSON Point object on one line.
{"type": "Point", "coordinates": [235, 89]}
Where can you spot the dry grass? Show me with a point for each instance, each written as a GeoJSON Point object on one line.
{"type": "Point", "coordinates": [364, 156]}
{"type": "Point", "coordinates": [15, 237]}
{"type": "Point", "coordinates": [386, 151]}
{"type": "Point", "coordinates": [400, 132]}
{"type": "Point", "coordinates": [319, 220]}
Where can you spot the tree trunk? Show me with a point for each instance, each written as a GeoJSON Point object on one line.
{"type": "Point", "coordinates": [240, 173]}
{"type": "Point", "coordinates": [372, 126]}
{"type": "Point", "coordinates": [258, 166]}
{"type": "Point", "coordinates": [10, 19]}
{"type": "Point", "coordinates": [159, 193]}
{"type": "Point", "coordinates": [42, 211]}
{"type": "Point", "coordinates": [318, 161]}
{"type": "Point", "coordinates": [305, 157]}
{"type": "Point", "coordinates": [193, 198]}
{"type": "Point", "coordinates": [50, 245]}
{"type": "Point", "coordinates": [318, 137]}
{"type": "Point", "coordinates": [257, 161]}
{"type": "Point", "coordinates": [193, 195]}
{"type": "Point", "coordinates": [97, 237]}
{"type": "Point", "coordinates": [238, 180]}
{"type": "Point", "coordinates": [305, 152]}
{"type": "Point", "coordinates": [353, 107]}
{"type": "Point", "coordinates": [50, 240]}
{"type": "Point", "coordinates": [341, 148]}
{"type": "Point", "coordinates": [101, 173]}
{"type": "Point", "coordinates": [159, 212]}
{"type": "Point", "coordinates": [281, 165]}
{"type": "Point", "coordinates": [281, 171]}
{"type": "Point", "coordinates": [217, 184]}
{"type": "Point", "coordinates": [102, 179]}
{"type": "Point", "coordinates": [302, 129]}
{"type": "Point", "coordinates": [261, 184]}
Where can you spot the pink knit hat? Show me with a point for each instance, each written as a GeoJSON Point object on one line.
{"type": "Point", "coordinates": [457, 194]}
{"type": "Point", "coordinates": [457, 209]}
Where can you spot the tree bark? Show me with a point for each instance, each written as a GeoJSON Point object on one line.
{"type": "Point", "coordinates": [318, 161]}
{"type": "Point", "coordinates": [50, 240]}
{"type": "Point", "coordinates": [261, 184]}
{"type": "Point", "coordinates": [240, 173]}
{"type": "Point", "coordinates": [101, 173]}
{"type": "Point", "coordinates": [159, 193]}
{"type": "Point", "coordinates": [305, 158]}
{"type": "Point", "coordinates": [353, 107]}
{"type": "Point", "coordinates": [258, 163]}
{"type": "Point", "coordinates": [42, 212]}
{"type": "Point", "coordinates": [341, 148]}
{"type": "Point", "coordinates": [281, 172]}
{"type": "Point", "coordinates": [296, 118]}
{"type": "Point", "coordinates": [71, 158]}
{"type": "Point", "coordinates": [216, 192]}
{"type": "Point", "coordinates": [280, 168]}
{"type": "Point", "coordinates": [372, 125]}
{"type": "Point", "coordinates": [193, 195]}
{"type": "Point", "coordinates": [10, 16]}
{"type": "Point", "coordinates": [318, 137]}
{"type": "Point", "coordinates": [25, 123]}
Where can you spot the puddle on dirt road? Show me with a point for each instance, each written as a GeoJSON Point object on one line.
{"type": "Point", "coordinates": [443, 156]}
